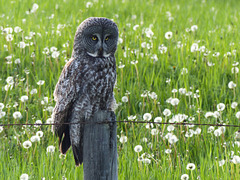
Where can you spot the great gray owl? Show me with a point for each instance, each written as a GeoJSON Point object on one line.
{"type": "Point", "coordinates": [86, 82]}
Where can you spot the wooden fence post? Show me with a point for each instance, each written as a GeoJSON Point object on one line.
{"type": "Point", "coordinates": [100, 147]}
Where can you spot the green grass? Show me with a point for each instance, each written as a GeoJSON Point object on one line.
{"type": "Point", "coordinates": [218, 29]}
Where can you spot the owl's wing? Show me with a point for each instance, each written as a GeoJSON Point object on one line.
{"type": "Point", "coordinates": [64, 95]}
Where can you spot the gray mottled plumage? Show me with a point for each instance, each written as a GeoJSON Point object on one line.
{"type": "Point", "coordinates": [86, 82]}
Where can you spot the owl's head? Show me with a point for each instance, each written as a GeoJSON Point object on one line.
{"type": "Point", "coordinates": [96, 37]}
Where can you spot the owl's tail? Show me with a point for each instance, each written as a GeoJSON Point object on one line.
{"type": "Point", "coordinates": [78, 154]}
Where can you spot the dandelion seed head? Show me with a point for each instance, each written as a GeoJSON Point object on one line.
{"type": "Point", "coordinates": [1, 129]}
{"type": "Point", "coordinates": [231, 85]}
{"type": "Point", "coordinates": [27, 144]}
{"type": "Point", "coordinates": [35, 138]}
{"type": "Point", "coordinates": [154, 132]}
{"type": "Point", "coordinates": [39, 133]}
{"type": "Point", "coordinates": [158, 119]}
{"type": "Point", "coordinates": [138, 148]}
{"type": "Point", "coordinates": [50, 149]}
{"type": "Point", "coordinates": [191, 166]}
{"type": "Point", "coordinates": [220, 107]}
{"type": "Point", "coordinates": [194, 47]}
{"type": "Point", "coordinates": [185, 177]}
{"type": "Point", "coordinates": [235, 70]}
{"type": "Point", "coordinates": [17, 115]}
{"type": "Point", "coordinates": [24, 98]}
{"type": "Point", "coordinates": [40, 82]}
{"type": "Point", "coordinates": [221, 163]}
{"type": "Point", "coordinates": [124, 99]}
{"type": "Point", "coordinates": [168, 35]}
{"type": "Point", "coordinates": [147, 117]}
{"type": "Point", "coordinates": [166, 112]}
{"type": "Point", "coordinates": [123, 139]}
{"type": "Point", "coordinates": [33, 91]}
{"type": "Point", "coordinates": [24, 177]}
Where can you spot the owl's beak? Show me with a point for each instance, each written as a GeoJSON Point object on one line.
{"type": "Point", "coordinates": [100, 52]}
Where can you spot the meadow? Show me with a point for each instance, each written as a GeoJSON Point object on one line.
{"type": "Point", "coordinates": [177, 61]}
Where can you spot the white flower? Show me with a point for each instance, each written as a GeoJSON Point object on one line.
{"type": "Point", "coordinates": [191, 166]}
{"type": "Point", "coordinates": [17, 115]}
{"type": "Point", "coordinates": [9, 37]}
{"type": "Point", "coordinates": [39, 133]}
{"type": "Point", "coordinates": [208, 114]}
{"type": "Point", "coordinates": [216, 54]}
{"type": "Point", "coordinates": [197, 131]}
{"type": "Point", "coordinates": [17, 29]}
{"type": "Point", "coordinates": [231, 85]}
{"type": "Point", "coordinates": [50, 149]}
{"type": "Point", "coordinates": [218, 132]}
{"type": "Point", "coordinates": [185, 177]}
{"type": "Point", "coordinates": [168, 151]}
{"type": "Point", "coordinates": [35, 138]}
{"type": "Point", "coordinates": [158, 119]}
{"type": "Point", "coordinates": [89, 4]}
{"type": "Point", "coordinates": [235, 70]}
{"type": "Point", "coordinates": [146, 161]}
{"type": "Point", "coordinates": [38, 122]}
{"type": "Point", "coordinates": [1, 129]}
{"type": "Point", "coordinates": [147, 117]}
{"type": "Point", "coordinates": [149, 32]}
{"type": "Point", "coordinates": [175, 101]}
{"type": "Point", "coordinates": [189, 133]}
{"type": "Point", "coordinates": [49, 121]}
{"type": "Point", "coordinates": [194, 28]}
{"type": "Point", "coordinates": [27, 144]}
{"type": "Point", "coordinates": [182, 91]}
{"type": "Point", "coordinates": [184, 71]}
{"type": "Point", "coordinates": [8, 30]}
{"type": "Point", "coordinates": [24, 177]}
{"type": "Point", "coordinates": [210, 64]}
{"type": "Point", "coordinates": [33, 91]}
{"type": "Point", "coordinates": [154, 132]}
{"type": "Point", "coordinates": [125, 99]}
{"type": "Point", "coordinates": [55, 54]}
{"type": "Point", "coordinates": [236, 159]}
{"type": "Point", "coordinates": [170, 128]}
{"type": "Point", "coordinates": [220, 107]}
{"type": "Point", "coordinates": [138, 148]}
{"type": "Point", "coordinates": [194, 47]}
{"type": "Point", "coordinates": [24, 98]}
{"type": "Point", "coordinates": [222, 162]}
{"type": "Point", "coordinates": [123, 139]}
{"type": "Point", "coordinates": [168, 35]}
{"type": "Point", "coordinates": [135, 27]}
{"type": "Point", "coordinates": [166, 112]}
{"type": "Point", "coordinates": [131, 117]}
{"type": "Point", "coordinates": [17, 61]}
{"type": "Point", "coordinates": [210, 129]}
{"type": "Point", "coordinates": [238, 115]}
{"type": "Point", "coordinates": [34, 8]}
{"type": "Point", "coordinates": [153, 95]}
{"type": "Point", "coordinates": [234, 105]}
{"type": "Point", "coordinates": [40, 82]}
{"type": "Point", "coordinates": [1, 106]}
{"type": "Point", "coordinates": [22, 44]}
{"type": "Point", "coordinates": [172, 139]}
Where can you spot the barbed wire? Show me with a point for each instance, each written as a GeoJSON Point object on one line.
{"type": "Point", "coordinates": [125, 121]}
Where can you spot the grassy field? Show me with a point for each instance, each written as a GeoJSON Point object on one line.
{"type": "Point", "coordinates": [178, 61]}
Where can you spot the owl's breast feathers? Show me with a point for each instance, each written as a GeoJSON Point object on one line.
{"type": "Point", "coordinates": [94, 79]}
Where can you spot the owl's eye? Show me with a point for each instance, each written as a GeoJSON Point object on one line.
{"type": "Point", "coordinates": [106, 38]}
{"type": "Point", "coordinates": [94, 38]}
